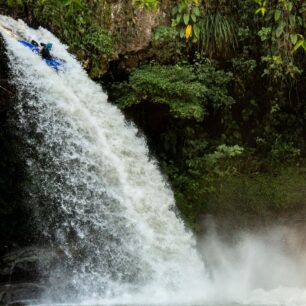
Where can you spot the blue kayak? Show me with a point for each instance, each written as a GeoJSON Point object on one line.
{"type": "Point", "coordinates": [54, 63]}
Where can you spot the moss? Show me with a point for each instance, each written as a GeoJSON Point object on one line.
{"type": "Point", "coordinates": [107, 11]}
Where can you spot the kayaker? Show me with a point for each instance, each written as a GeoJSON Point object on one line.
{"type": "Point", "coordinates": [45, 51]}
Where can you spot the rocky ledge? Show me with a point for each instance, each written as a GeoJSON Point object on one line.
{"type": "Point", "coordinates": [23, 274]}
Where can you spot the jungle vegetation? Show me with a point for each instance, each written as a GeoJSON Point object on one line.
{"type": "Point", "coordinates": [222, 101]}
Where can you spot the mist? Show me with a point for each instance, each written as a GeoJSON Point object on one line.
{"type": "Point", "coordinates": [263, 267]}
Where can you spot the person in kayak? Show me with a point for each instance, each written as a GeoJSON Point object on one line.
{"type": "Point", "coordinates": [45, 51]}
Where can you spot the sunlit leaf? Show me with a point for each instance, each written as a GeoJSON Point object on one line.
{"type": "Point", "coordinates": [188, 31]}
{"type": "Point", "coordinates": [298, 45]}
{"type": "Point", "coordinates": [261, 10]}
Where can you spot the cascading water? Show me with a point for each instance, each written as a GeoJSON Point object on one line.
{"type": "Point", "coordinates": [100, 201]}
{"type": "Point", "coordinates": [98, 196]}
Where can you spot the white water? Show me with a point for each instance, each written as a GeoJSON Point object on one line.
{"type": "Point", "coordinates": [263, 268]}
{"type": "Point", "coordinates": [101, 200]}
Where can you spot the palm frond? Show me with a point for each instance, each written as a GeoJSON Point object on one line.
{"type": "Point", "coordinates": [218, 35]}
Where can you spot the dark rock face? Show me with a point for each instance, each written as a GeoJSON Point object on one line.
{"type": "Point", "coordinates": [5, 89]}
{"type": "Point", "coordinates": [26, 264]}
{"type": "Point", "coordinates": [13, 214]}
{"type": "Point", "coordinates": [22, 274]}
{"type": "Point", "coordinates": [18, 269]}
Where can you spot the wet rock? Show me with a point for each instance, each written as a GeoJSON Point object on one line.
{"type": "Point", "coordinates": [5, 88]}
{"type": "Point", "coordinates": [26, 265]}
{"type": "Point", "coordinates": [136, 25]}
{"type": "Point", "coordinates": [16, 228]}
{"type": "Point", "coordinates": [22, 274]}
{"type": "Point", "coordinates": [19, 293]}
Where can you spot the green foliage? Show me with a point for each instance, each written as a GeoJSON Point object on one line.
{"type": "Point", "coordinates": [284, 151]}
{"type": "Point", "coordinates": [169, 49]}
{"type": "Point", "coordinates": [298, 41]}
{"type": "Point", "coordinates": [224, 151]}
{"type": "Point", "coordinates": [146, 4]}
{"type": "Point", "coordinates": [262, 195]}
{"type": "Point", "coordinates": [282, 35]}
{"type": "Point", "coordinates": [185, 15]}
{"type": "Point", "coordinates": [165, 34]}
{"type": "Point", "coordinates": [175, 86]}
{"type": "Point", "coordinates": [214, 31]}
{"type": "Point", "coordinates": [14, 3]}
{"type": "Point", "coordinates": [196, 180]}
{"type": "Point", "coordinates": [265, 33]}
{"type": "Point", "coordinates": [218, 34]}
{"type": "Point", "coordinates": [187, 90]}
{"type": "Point", "coordinates": [67, 8]}
{"type": "Point", "coordinates": [262, 7]}
{"type": "Point", "coordinates": [99, 40]}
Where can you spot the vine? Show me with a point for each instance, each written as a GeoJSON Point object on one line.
{"type": "Point", "coordinates": [283, 25]}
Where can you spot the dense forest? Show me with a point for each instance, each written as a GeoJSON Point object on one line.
{"type": "Point", "coordinates": [218, 90]}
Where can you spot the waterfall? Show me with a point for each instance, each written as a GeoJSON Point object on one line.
{"type": "Point", "coordinates": [97, 195]}
{"type": "Point", "coordinates": [100, 202]}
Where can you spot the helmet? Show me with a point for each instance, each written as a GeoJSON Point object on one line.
{"type": "Point", "coordinates": [49, 46]}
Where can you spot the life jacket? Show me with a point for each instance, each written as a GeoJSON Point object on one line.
{"type": "Point", "coordinates": [45, 53]}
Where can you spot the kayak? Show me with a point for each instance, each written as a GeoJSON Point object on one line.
{"type": "Point", "coordinates": [53, 63]}
{"type": "Point", "coordinates": [56, 64]}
